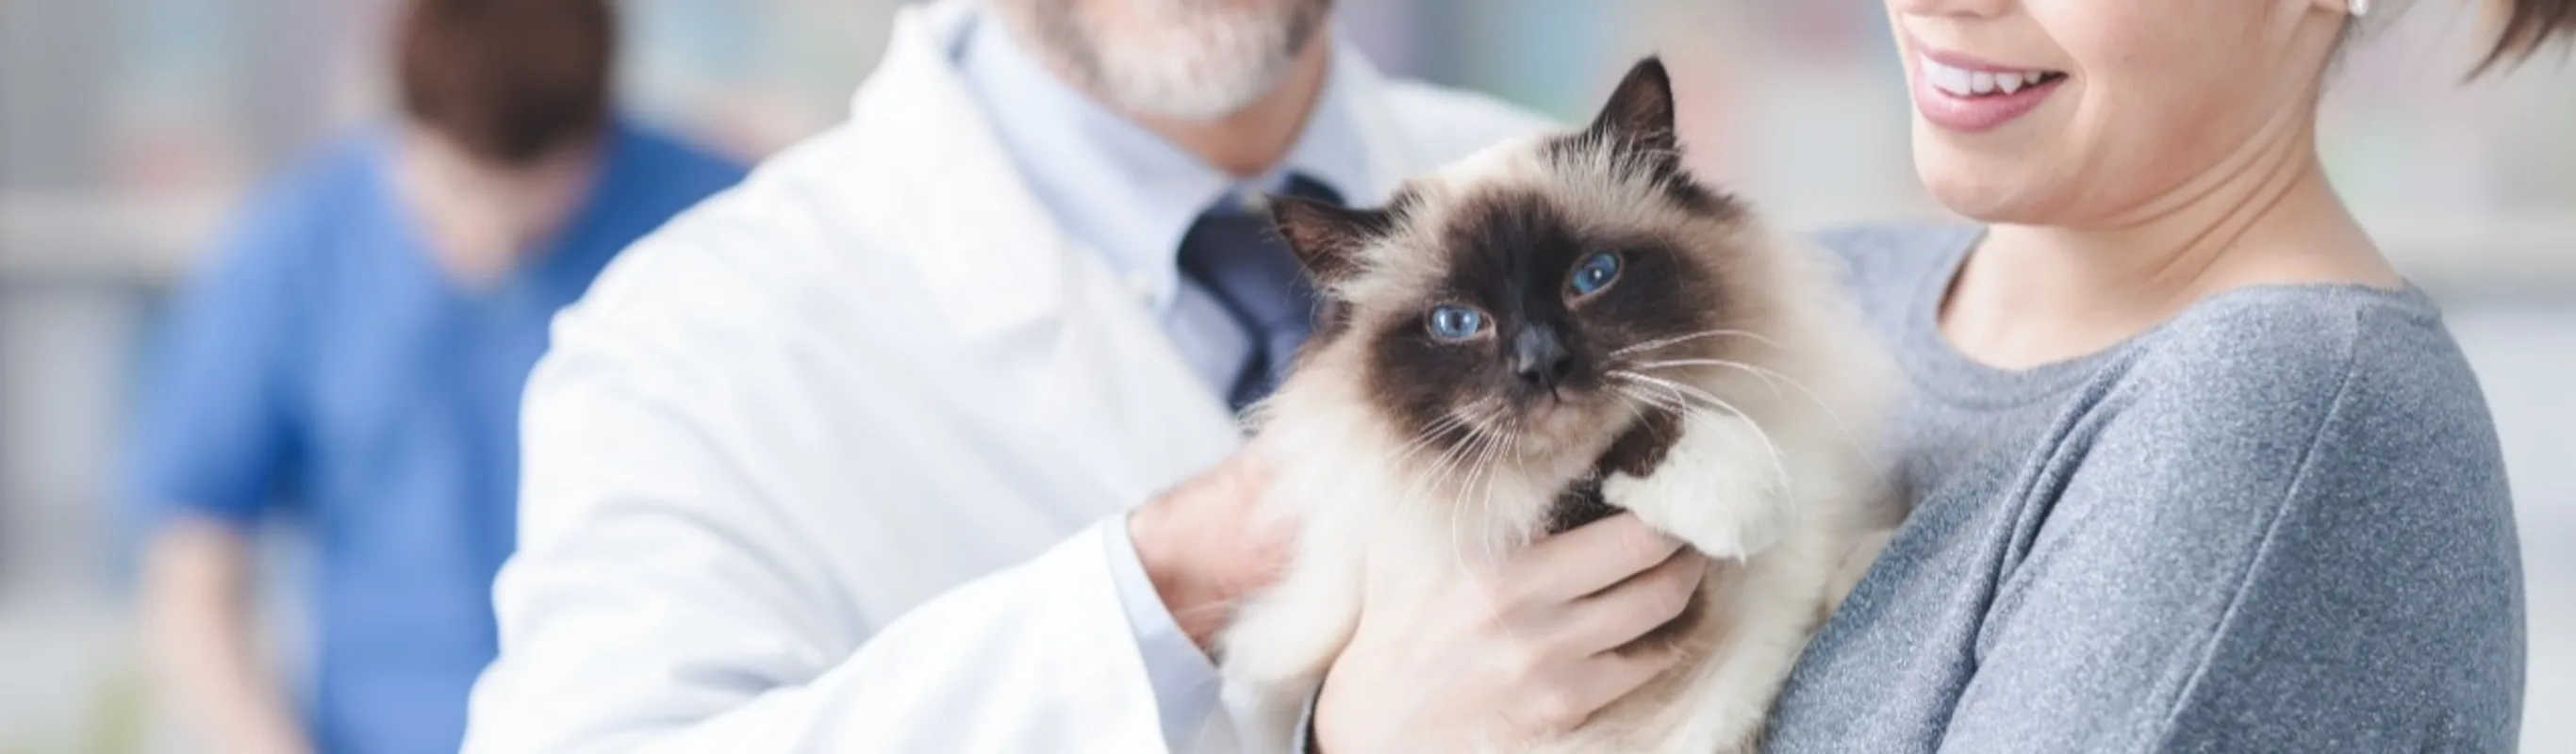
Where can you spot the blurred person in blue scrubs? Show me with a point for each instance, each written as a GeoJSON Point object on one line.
{"type": "Point", "coordinates": [352, 356]}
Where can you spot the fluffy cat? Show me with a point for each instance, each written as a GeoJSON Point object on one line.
{"type": "Point", "coordinates": [1545, 327]}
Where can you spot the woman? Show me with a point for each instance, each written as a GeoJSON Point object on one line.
{"type": "Point", "coordinates": [2191, 467]}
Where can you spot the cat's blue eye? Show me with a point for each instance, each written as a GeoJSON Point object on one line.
{"type": "Point", "coordinates": [1454, 322]}
{"type": "Point", "coordinates": [1594, 273]}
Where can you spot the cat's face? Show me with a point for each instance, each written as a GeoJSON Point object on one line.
{"type": "Point", "coordinates": [1533, 301]}
{"type": "Point", "coordinates": [1521, 330]}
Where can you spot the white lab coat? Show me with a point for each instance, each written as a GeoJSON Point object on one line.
{"type": "Point", "coordinates": [822, 465]}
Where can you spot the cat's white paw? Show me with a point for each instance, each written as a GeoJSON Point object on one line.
{"type": "Point", "coordinates": [1718, 488]}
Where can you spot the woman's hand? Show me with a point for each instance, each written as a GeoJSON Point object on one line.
{"type": "Point", "coordinates": [1528, 650]}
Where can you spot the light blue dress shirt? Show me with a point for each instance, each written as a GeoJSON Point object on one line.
{"type": "Point", "coordinates": [1128, 195]}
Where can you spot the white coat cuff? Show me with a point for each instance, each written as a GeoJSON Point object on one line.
{"type": "Point", "coordinates": [1185, 682]}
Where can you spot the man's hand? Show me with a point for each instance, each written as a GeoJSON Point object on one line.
{"type": "Point", "coordinates": [1205, 545]}
{"type": "Point", "coordinates": [199, 629]}
{"type": "Point", "coordinates": [1531, 649]}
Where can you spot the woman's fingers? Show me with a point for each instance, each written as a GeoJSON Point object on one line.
{"type": "Point", "coordinates": [1589, 686]}
{"type": "Point", "coordinates": [1616, 616]}
{"type": "Point", "coordinates": [1590, 558]}
{"type": "Point", "coordinates": [1531, 649]}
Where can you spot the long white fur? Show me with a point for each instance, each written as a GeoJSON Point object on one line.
{"type": "Point", "coordinates": [1788, 533]}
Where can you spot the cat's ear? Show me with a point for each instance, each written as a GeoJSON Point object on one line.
{"type": "Point", "coordinates": [1327, 237]}
{"type": "Point", "coordinates": [1639, 116]}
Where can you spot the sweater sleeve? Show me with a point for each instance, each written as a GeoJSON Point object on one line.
{"type": "Point", "coordinates": [2303, 549]}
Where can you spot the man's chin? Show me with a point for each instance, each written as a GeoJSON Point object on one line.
{"type": "Point", "coordinates": [1190, 76]}
{"type": "Point", "coordinates": [1193, 101]}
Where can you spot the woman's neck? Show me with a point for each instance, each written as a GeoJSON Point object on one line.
{"type": "Point", "coordinates": [2031, 294]}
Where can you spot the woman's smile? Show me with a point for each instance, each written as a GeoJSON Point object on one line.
{"type": "Point", "coordinates": [1961, 93]}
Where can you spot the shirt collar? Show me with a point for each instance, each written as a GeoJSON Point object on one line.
{"type": "Point", "coordinates": [1121, 189]}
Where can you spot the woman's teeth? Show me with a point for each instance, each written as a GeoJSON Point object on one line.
{"type": "Point", "coordinates": [1961, 82]}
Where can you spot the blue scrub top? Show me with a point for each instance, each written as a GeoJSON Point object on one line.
{"type": "Point", "coordinates": [324, 365]}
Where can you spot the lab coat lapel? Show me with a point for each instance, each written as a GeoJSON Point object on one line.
{"type": "Point", "coordinates": [1098, 379]}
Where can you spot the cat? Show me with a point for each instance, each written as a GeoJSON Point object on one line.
{"type": "Point", "coordinates": [1551, 328]}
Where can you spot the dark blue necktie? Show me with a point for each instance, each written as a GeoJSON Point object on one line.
{"type": "Point", "coordinates": [1234, 255]}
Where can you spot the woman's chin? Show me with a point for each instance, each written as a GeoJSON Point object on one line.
{"type": "Point", "coordinates": [1990, 179]}
{"type": "Point", "coordinates": [1983, 197]}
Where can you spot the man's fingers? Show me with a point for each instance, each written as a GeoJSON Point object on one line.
{"type": "Point", "coordinates": [1618, 615]}
{"type": "Point", "coordinates": [1592, 557]}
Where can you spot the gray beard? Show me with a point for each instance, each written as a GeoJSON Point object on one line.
{"type": "Point", "coordinates": [1196, 63]}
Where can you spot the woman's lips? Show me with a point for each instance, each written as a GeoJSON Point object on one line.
{"type": "Point", "coordinates": [1960, 94]}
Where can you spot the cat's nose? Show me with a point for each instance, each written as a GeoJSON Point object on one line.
{"type": "Point", "coordinates": [1540, 358]}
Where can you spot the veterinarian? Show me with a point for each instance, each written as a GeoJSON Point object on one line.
{"type": "Point", "coordinates": [843, 459]}
{"type": "Point", "coordinates": [2192, 467]}
{"type": "Point", "coordinates": [350, 359]}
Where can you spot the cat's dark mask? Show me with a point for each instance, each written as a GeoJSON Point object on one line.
{"type": "Point", "coordinates": [1520, 296]}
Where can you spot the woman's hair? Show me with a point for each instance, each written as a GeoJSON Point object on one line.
{"type": "Point", "coordinates": [2528, 26]}
{"type": "Point", "coordinates": [509, 81]}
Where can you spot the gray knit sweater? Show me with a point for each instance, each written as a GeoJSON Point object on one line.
{"type": "Point", "coordinates": [2276, 523]}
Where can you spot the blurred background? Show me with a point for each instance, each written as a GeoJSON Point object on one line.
{"type": "Point", "coordinates": [128, 128]}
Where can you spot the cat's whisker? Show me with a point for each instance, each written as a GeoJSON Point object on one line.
{"type": "Point", "coordinates": [1637, 396]}
{"type": "Point", "coordinates": [1640, 416]}
{"type": "Point", "coordinates": [1511, 449]}
{"type": "Point", "coordinates": [1484, 471]}
{"type": "Point", "coordinates": [1676, 400]}
{"type": "Point", "coordinates": [1436, 480]}
{"type": "Point", "coordinates": [1476, 455]}
{"type": "Point", "coordinates": [1475, 418]}
{"type": "Point", "coordinates": [1450, 460]}
{"type": "Point", "coordinates": [1507, 448]}
{"type": "Point", "coordinates": [1677, 406]}
{"type": "Point", "coordinates": [1482, 441]}
{"type": "Point", "coordinates": [1428, 483]}
{"type": "Point", "coordinates": [1779, 461]}
{"type": "Point", "coordinates": [1457, 523]}
{"type": "Point", "coordinates": [1642, 367]}
{"type": "Point", "coordinates": [1417, 497]}
{"type": "Point", "coordinates": [1431, 435]}
{"type": "Point", "coordinates": [1669, 365]}
{"type": "Point", "coordinates": [1659, 400]}
{"type": "Point", "coordinates": [1483, 463]}
{"type": "Point", "coordinates": [1767, 374]}
{"type": "Point", "coordinates": [1675, 340]}
{"type": "Point", "coordinates": [1867, 455]}
{"type": "Point", "coordinates": [1405, 454]}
